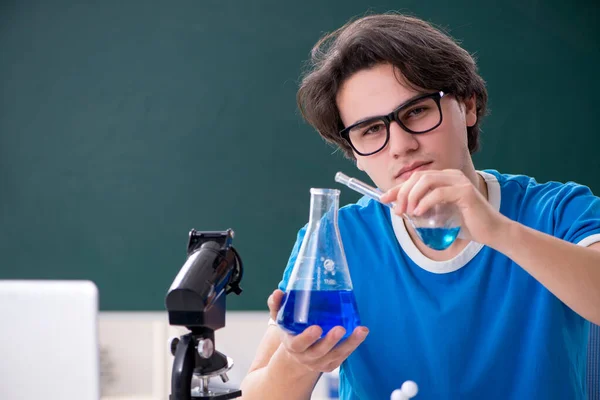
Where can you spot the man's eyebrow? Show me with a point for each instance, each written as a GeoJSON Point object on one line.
{"type": "Point", "coordinates": [365, 119]}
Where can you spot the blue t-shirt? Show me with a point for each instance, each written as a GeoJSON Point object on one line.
{"type": "Point", "coordinates": [474, 327]}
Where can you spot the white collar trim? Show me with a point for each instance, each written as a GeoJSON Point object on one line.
{"type": "Point", "coordinates": [462, 258]}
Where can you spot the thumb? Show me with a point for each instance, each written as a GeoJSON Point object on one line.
{"type": "Point", "coordinates": [274, 303]}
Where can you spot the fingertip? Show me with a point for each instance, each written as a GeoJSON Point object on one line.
{"type": "Point", "coordinates": [398, 209]}
{"type": "Point", "coordinates": [338, 332]}
{"type": "Point", "coordinates": [362, 332]}
{"type": "Point", "coordinates": [276, 296]}
{"type": "Point", "coordinates": [315, 331]}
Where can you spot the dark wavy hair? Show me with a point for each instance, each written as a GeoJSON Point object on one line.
{"type": "Point", "coordinates": [426, 57]}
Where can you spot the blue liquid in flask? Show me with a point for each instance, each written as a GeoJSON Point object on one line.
{"type": "Point", "coordinates": [438, 238]}
{"type": "Point", "coordinates": [325, 308]}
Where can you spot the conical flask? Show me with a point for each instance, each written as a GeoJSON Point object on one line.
{"type": "Point", "coordinates": [319, 291]}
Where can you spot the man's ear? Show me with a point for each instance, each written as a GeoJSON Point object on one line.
{"type": "Point", "coordinates": [471, 110]}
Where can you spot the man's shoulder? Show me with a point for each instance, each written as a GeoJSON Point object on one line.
{"type": "Point", "coordinates": [364, 209]}
{"type": "Point", "coordinates": [529, 186]}
{"type": "Point", "coordinates": [512, 181]}
{"type": "Point", "coordinates": [365, 214]}
{"type": "Point", "coordinates": [523, 198]}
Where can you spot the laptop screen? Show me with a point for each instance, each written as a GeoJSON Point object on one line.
{"type": "Point", "coordinates": [49, 340]}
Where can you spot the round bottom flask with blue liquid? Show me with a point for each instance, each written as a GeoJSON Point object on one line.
{"type": "Point", "coordinates": [319, 291]}
{"type": "Point", "coordinates": [439, 227]}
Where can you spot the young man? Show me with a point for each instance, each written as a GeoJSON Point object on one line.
{"type": "Point", "coordinates": [502, 313]}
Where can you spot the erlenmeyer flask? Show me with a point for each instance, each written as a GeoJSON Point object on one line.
{"type": "Point", "coordinates": [319, 291]}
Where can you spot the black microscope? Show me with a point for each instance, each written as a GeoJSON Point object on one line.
{"type": "Point", "coordinates": [196, 300]}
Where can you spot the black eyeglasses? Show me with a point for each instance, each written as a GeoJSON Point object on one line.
{"type": "Point", "coordinates": [419, 115]}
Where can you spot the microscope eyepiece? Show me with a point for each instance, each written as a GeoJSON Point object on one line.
{"type": "Point", "coordinates": [212, 270]}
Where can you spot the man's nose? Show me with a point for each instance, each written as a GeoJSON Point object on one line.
{"type": "Point", "coordinates": [401, 142]}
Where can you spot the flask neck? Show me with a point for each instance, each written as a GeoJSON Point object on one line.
{"type": "Point", "coordinates": [324, 203]}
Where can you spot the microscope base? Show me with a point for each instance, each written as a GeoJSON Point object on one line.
{"type": "Point", "coordinates": [220, 394]}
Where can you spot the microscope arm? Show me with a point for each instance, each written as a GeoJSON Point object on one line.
{"type": "Point", "coordinates": [183, 369]}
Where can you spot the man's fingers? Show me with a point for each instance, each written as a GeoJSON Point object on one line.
{"type": "Point", "coordinates": [299, 343]}
{"type": "Point", "coordinates": [424, 185]}
{"type": "Point", "coordinates": [274, 303]}
{"type": "Point", "coordinates": [342, 351]}
{"type": "Point", "coordinates": [326, 354]}
{"type": "Point", "coordinates": [324, 346]}
{"type": "Point", "coordinates": [390, 195]}
{"type": "Point", "coordinates": [436, 196]}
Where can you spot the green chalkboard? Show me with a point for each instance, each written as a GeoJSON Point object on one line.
{"type": "Point", "coordinates": [124, 124]}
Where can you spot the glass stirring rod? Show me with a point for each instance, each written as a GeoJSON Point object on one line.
{"type": "Point", "coordinates": [361, 187]}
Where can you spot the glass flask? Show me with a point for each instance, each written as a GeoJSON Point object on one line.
{"type": "Point", "coordinates": [319, 291]}
{"type": "Point", "coordinates": [438, 227]}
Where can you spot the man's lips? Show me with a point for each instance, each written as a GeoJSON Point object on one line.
{"type": "Point", "coordinates": [408, 170]}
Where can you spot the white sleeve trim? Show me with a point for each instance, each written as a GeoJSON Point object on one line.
{"type": "Point", "coordinates": [585, 242]}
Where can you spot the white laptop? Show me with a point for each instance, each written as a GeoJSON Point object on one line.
{"type": "Point", "coordinates": [49, 340]}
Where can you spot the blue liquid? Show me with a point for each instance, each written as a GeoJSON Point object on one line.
{"type": "Point", "coordinates": [438, 238]}
{"type": "Point", "coordinates": [326, 308]}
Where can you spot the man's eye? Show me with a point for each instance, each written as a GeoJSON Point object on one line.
{"type": "Point", "coordinates": [373, 129]}
{"type": "Point", "coordinates": [416, 111]}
